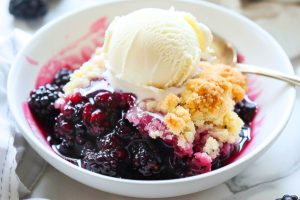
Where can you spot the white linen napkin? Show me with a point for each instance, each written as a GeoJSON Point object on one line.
{"type": "Point", "coordinates": [15, 182]}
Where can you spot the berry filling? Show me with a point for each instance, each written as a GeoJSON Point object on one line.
{"type": "Point", "coordinates": [111, 135]}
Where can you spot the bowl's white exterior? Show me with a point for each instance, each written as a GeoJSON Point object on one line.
{"type": "Point", "coordinates": [276, 101]}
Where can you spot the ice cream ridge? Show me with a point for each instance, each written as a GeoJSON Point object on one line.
{"type": "Point", "coordinates": [156, 54]}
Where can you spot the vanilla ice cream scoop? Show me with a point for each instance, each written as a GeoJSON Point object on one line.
{"type": "Point", "coordinates": [155, 47]}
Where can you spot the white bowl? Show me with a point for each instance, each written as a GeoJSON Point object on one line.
{"type": "Point", "coordinates": [275, 98]}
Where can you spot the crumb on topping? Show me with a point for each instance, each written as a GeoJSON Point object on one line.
{"type": "Point", "coordinates": [179, 122]}
{"type": "Point", "coordinates": [212, 147]}
{"type": "Point", "coordinates": [155, 134]}
{"type": "Point", "coordinates": [169, 103]}
{"type": "Point", "coordinates": [174, 123]}
{"type": "Point", "coordinates": [151, 105]}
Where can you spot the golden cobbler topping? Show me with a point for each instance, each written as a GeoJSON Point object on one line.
{"type": "Point", "coordinates": [207, 104]}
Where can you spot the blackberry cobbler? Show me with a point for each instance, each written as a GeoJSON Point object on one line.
{"type": "Point", "coordinates": [165, 129]}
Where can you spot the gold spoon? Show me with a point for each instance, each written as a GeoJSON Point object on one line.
{"type": "Point", "coordinates": [227, 54]}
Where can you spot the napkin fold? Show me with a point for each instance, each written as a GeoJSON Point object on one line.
{"type": "Point", "coordinates": [16, 181]}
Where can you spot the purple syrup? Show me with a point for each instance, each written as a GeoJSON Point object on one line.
{"type": "Point", "coordinates": [246, 110]}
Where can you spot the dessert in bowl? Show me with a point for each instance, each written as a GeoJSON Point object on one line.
{"type": "Point", "coordinates": [144, 106]}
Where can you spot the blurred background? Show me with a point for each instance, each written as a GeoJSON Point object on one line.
{"type": "Point", "coordinates": [281, 18]}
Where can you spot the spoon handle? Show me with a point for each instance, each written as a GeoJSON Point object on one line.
{"type": "Point", "coordinates": [250, 69]}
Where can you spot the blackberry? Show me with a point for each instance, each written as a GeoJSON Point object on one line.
{"type": "Point", "coordinates": [74, 138]}
{"type": "Point", "coordinates": [28, 9]}
{"type": "Point", "coordinates": [246, 110]}
{"type": "Point", "coordinates": [41, 103]}
{"type": "Point", "coordinates": [179, 167]}
{"type": "Point", "coordinates": [109, 141]}
{"type": "Point", "coordinates": [288, 197]}
{"type": "Point", "coordinates": [70, 130]}
{"type": "Point", "coordinates": [145, 158]}
{"type": "Point", "coordinates": [88, 120]}
{"type": "Point", "coordinates": [102, 113]}
{"type": "Point", "coordinates": [105, 99]}
{"type": "Point", "coordinates": [97, 121]}
{"type": "Point", "coordinates": [62, 78]}
{"type": "Point", "coordinates": [107, 162]}
{"type": "Point", "coordinates": [126, 130]}
{"type": "Point", "coordinates": [125, 100]}
{"type": "Point", "coordinates": [173, 166]}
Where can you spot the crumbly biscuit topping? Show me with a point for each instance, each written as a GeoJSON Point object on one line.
{"type": "Point", "coordinates": [89, 71]}
{"type": "Point", "coordinates": [207, 103]}
{"type": "Point", "coordinates": [238, 81]}
{"type": "Point", "coordinates": [169, 103]}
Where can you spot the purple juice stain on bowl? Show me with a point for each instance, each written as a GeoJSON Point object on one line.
{"type": "Point", "coordinates": [70, 59]}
